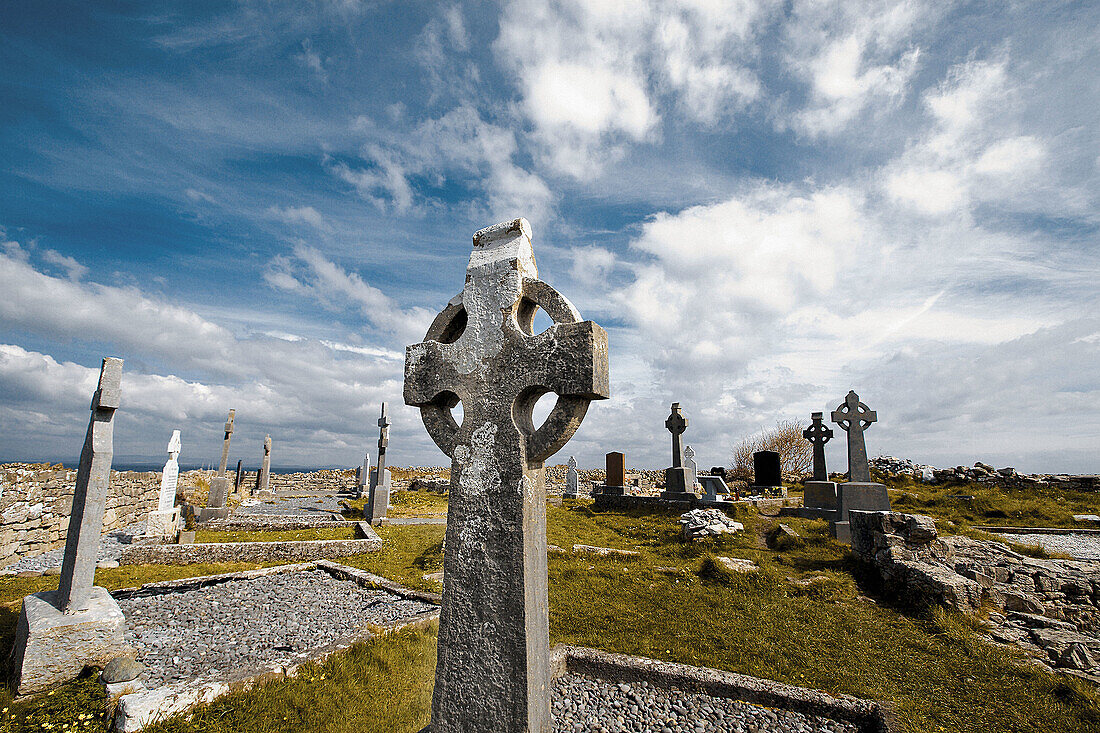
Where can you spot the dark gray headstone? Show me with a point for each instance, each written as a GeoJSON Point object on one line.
{"type": "Point", "coordinates": [766, 469]}
{"type": "Point", "coordinates": [818, 434]}
{"type": "Point", "coordinates": [493, 670]}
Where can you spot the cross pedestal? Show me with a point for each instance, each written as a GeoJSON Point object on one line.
{"type": "Point", "coordinates": [492, 669]}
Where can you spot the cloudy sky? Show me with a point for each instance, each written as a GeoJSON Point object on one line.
{"type": "Point", "coordinates": [258, 205]}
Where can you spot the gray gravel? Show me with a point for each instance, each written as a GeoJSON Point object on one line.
{"type": "Point", "coordinates": [110, 548]}
{"type": "Point", "coordinates": [585, 704]}
{"type": "Point", "coordinates": [247, 624]}
{"type": "Point", "coordinates": [1080, 546]}
{"type": "Point", "coordinates": [293, 505]}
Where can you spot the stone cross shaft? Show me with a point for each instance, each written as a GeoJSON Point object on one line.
{"type": "Point", "coordinates": [818, 434]}
{"type": "Point", "coordinates": [383, 438]}
{"type": "Point", "coordinates": [90, 496]}
{"type": "Point", "coordinates": [225, 442]}
{"type": "Point", "coordinates": [265, 466]}
{"type": "Point", "coordinates": [493, 670]}
{"type": "Point", "coordinates": [854, 417]}
{"type": "Point", "coordinates": [676, 424]}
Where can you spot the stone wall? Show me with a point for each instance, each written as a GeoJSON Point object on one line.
{"type": "Point", "coordinates": [1048, 607]}
{"type": "Point", "coordinates": [36, 499]}
{"type": "Point", "coordinates": [981, 473]}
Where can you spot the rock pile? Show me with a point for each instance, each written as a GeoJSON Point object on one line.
{"type": "Point", "coordinates": [1050, 608]}
{"type": "Point", "coordinates": [979, 473]}
{"type": "Point", "coordinates": [700, 523]}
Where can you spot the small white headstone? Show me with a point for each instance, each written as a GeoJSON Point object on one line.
{"type": "Point", "coordinates": [689, 464]}
{"type": "Point", "coordinates": [170, 477]}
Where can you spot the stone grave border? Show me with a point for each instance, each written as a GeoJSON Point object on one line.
{"type": "Point", "coordinates": [138, 709]}
{"type": "Point", "coordinates": [211, 552]}
{"type": "Point", "coordinates": [1036, 530]}
{"type": "Point", "coordinates": [276, 522]}
{"type": "Point", "coordinates": [657, 504]}
{"type": "Point", "coordinates": [868, 715]}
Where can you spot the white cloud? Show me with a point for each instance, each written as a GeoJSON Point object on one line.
{"type": "Point", "coordinates": [75, 270]}
{"type": "Point", "coordinates": [300, 215]}
{"type": "Point", "coordinates": [855, 56]}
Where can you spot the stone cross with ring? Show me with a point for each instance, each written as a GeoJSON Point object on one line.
{"type": "Point", "coordinates": [854, 417]}
{"type": "Point", "coordinates": [493, 670]}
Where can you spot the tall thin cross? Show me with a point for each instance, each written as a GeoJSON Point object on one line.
{"type": "Point", "coordinates": [492, 670]}
{"type": "Point", "coordinates": [854, 417]}
{"type": "Point", "coordinates": [676, 424]}
{"type": "Point", "coordinates": [225, 442]}
{"type": "Point", "coordinates": [818, 434]}
{"type": "Point", "coordinates": [383, 440]}
{"type": "Point", "coordinates": [265, 466]}
{"type": "Point", "coordinates": [90, 496]}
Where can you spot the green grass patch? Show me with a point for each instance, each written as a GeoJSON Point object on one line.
{"type": "Point", "coordinates": [279, 535]}
{"type": "Point", "coordinates": [404, 504]}
{"type": "Point", "coordinates": [802, 619]}
{"type": "Point", "coordinates": [77, 706]}
{"type": "Point", "coordinates": [1033, 506]}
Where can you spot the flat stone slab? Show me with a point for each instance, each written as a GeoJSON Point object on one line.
{"type": "Point", "coordinates": [305, 504]}
{"type": "Point", "coordinates": [1078, 545]}
{"type": "Point", "coordinates": [211, 552]}
{"type": "Point", "coordinates": [398, 521]}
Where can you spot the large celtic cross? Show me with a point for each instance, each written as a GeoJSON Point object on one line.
{"type": "Point", "coordinates": [676, 424]}
{"type": "Point", "coordinates": [819, 434]}
{"type": "Point", "coordinates": [492, 670]}
{"type": "Point", "coordinates": [854, 417]}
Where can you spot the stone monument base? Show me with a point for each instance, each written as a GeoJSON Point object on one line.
{"type": "Point", "coordinates": [206, 513]}
{"type": "Point", "coordinates": [52, 647]}
{"type": "Point", "coordinates": [163, 526]}
{"type": "Point", "coordinates": [857, 496]}
{"type": "Point", "coordinates": [679, 483]}
{"type": "Point", "coordinates": [772, 491]}
{"type": "Point", "coordinates": [611, 490]}
{"type": "Point", "coordinates": [820, 495]}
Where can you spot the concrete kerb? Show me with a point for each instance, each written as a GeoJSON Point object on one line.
{"type": "Point", "coordinates": [135, 710]}
{"type": "Point", "coordinates": [210, 552]}
{"type": "Point", "coordinates": [870, 716]}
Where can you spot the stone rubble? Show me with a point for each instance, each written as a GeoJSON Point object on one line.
{"type": "Point", "coordinates": [699, 523]}
{"type": "Point", "coordinates": [982, 473]}
{"type": "Point", "coordinates": [246, 624]}
{"type": "Point", "coordinates": [580, 703]}
{"type": "Point", "coordinates": [111, 545]}
{"type": "Point", "coordinates": [1050, 608]}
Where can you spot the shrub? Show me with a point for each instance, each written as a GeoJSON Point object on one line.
{"type": "Point", "coordinates": [795, 452]}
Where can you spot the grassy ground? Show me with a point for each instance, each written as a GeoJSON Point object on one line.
{"type": "Point", "coordinates": [804, 619]}
{"type": "Point", "coordinates": [1046, 506]}
{"type": "Point", "coordinates": [405, 504]}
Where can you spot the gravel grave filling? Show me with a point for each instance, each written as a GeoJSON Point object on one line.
{"type": "Point", "coordinates": [581, 703]}
{"type": "Point", "coordinates": [222, 629]}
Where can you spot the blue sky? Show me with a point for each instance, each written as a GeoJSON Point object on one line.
{"type": "Point", "coordinates": [258, 205]}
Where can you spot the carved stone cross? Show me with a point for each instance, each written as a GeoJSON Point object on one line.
{"type": "Point", "coordinates": [90, 495]}
{"type": "Point", "coordinates": [854, 417]}
{"type": "Point", "coordinates": [819, 434]}
{"type": "Point", "coordinates": [492, 671]}
{"type": "Point", "coordinates": [676, 424]}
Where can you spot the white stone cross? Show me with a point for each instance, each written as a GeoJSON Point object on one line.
{"type": "Point", "coordinates": [169, 478]}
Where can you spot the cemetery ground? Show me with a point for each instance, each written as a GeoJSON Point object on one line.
{"type": "Point", "coordinates": [807, 617]}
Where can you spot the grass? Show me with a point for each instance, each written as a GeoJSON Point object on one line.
{"type": "Point", "coordinates": [804, 619]}
{"type": "Point", "coordinates": [1033, 506]}
{"type": "Point", "coordinates": [404, 504]}
{"type": "Point", "coordinates": [279, 535]}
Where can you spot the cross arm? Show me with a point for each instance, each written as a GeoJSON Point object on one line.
{"type": "Point", "coordinates": [567, 359]}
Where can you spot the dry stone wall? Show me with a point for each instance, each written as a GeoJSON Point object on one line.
{"type": "Point", "coordinates": [36, 500]}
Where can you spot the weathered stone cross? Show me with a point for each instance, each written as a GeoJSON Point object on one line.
{"type": "Point", "coordinates": [819, 434]}
{"type": "Point", "coordinates": [225, 442]}
{"type": "Point", "coordinates": [854, 417]}
{"type": "Point", "coordinates": [492, 671]}
{"type": "Point", "coordinates": [676, 424]}
{"type": "Point", "coordinates": [90, 495]}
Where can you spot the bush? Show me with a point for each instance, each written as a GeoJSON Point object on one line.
{"type": "Point", "coordinates": [795, 452]}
